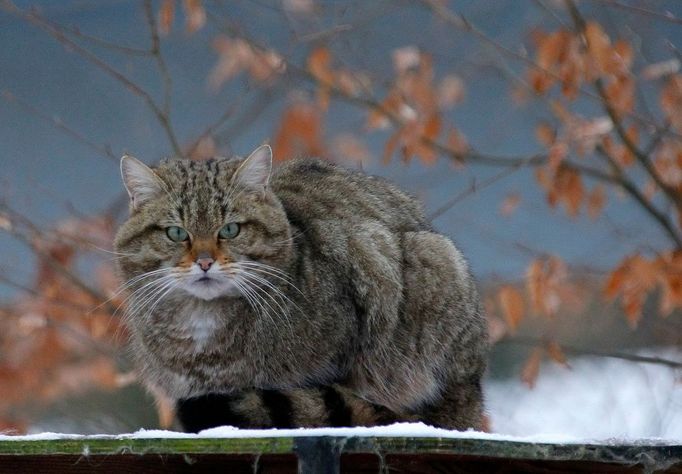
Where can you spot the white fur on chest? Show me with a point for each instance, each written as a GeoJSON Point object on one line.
{"type": "Point", "coordinates": [200, 325]}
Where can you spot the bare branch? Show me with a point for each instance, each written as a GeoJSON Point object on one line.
{"type": "Point", "coordinates": [667, 16]}
{"type": "Point", "coordinates": [37, 20]}
{"type": "Point", "coordinates": [104, 151]}
{"type": "Point", "coordinates": [160, 62]}
{"type": "Point", "coordinates": [614, 115]}
{"type": "Point", "coordinates": [632, 190]}
{"type": "Point", "coordinates": [30, 240]}
{"type": "Point", "coordinates": [460, 22]}
{"type": "Point", "coordinates": [535, 342]}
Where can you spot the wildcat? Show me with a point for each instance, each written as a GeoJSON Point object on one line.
{"type": "Point", "coordinates": [308, 296]}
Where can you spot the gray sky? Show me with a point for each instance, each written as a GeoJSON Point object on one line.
{"type": "Point", "coordinates": [45, 171]}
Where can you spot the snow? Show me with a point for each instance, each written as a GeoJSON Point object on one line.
{"type": "Point", "coordinates": [597, 401]}
{"type": "Point", "coordinates": [597, 398]}
{"type": "Point", "coordinates": [396, 430]}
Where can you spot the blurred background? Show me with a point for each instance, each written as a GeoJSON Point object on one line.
{"type": "Point", "coordinates": [544, 137]}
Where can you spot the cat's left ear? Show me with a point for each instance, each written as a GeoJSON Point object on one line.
{"type": "Point", "coordinates": [140, 181]}
{"type": "Point", "coordinates": [255, 170]}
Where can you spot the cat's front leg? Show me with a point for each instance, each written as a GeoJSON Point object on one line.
{"type": "Point", "coordinates": [326, 406]}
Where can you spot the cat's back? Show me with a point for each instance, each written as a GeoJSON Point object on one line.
{"type": "Point", "coordinates": [312, 189]}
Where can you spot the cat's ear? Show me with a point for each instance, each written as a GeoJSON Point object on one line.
{"type": "Point", "coordinates": [140, 181]}
{"type": "Point", "coordinates": [256, 169]}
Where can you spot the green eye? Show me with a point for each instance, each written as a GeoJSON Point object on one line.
{"type": "Point", "coordinates": [229, 231]}
{"type": "Point", "coordinates": [177, 234]}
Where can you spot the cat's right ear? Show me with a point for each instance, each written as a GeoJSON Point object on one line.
{"type": "Point", "coordinates": [140, 181]}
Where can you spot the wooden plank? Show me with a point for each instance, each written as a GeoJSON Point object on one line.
{"type": "Point", "coordinates": [330, 454]}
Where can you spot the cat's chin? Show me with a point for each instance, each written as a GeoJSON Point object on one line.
{"type": "Point", "coordinates": [211, 288]}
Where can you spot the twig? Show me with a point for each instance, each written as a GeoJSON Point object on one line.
{"type": "Point", "coordinates": [462, 23]}
{"type": "Point", "coordinates": [99, 41]}
{"type": "Point", "coordinates": [37, 20]}
{"type": "Point", "coordinates": [529, 341]}
{"type": "Point", "coordinates": [104, 151]}
{"type": "Point", "coordinates": [614, 115]}
{"type": "Point", "coordinates": [160, 62]}
{"type": "Point", "coordinates": [50, 260]}
{"type": "Point", "coordinates": [473, 188]}
{"type": "Point", "coordinates": [633, 191]}
{"type": "Point", "coordinates": [669, 17]}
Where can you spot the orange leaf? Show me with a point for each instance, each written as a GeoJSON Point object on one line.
{"type": "Point", "coordinates": [661, 69]}
{"type": "Point", "coordinates": [299, 133]}
{"type": "Point", "coordinates": [598, 45]}
{"type": "Point", "coordinates": [510, 203]}
{"type": "Point", "coordinates": [531, 369]}
{"type": "Point", "coordinates": [596, 201]}
{"type": "Point", "coordinates": [405, 58]}
{"type": "Point", "coordinates": [196, 15]}
{"type": "Point", "coordinates": [556, 354]}
{"type": "Point", "coordinates": [347, 146]}
{"type": "Point", "coordinates": [545, 134]}
{"type": "Point", "coordinates": [634, 279]}
{"type": "Point", "coordinates": [319, 65]}
{"type": "Point", "coordinates": [671, 100]}
{"type": "Point", "coordinates": [512, 305]}
{"type": "Point", "coordinates": [497, 329]}
{"type": "Point", "coordinates": [166, 15]}
{"type": "Point", "coordinates": [450, 91]}
{"type": "Point", "coordinates": [545, 280]}
{"type": "Point", "coordinates": [457, 142]}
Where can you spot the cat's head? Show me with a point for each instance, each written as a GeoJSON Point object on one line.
{"type": "Point", "coordinates": [208, 228]}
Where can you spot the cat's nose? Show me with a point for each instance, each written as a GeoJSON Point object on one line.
{"type": "Point", "coordinates": [205, 263]}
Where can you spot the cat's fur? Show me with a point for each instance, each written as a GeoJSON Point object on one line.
{"type": "Point", "coordinates": [361, 297]}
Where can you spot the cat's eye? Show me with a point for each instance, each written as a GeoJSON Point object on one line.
{"type": "Point", "coordinates": [229, 231]}
{"type": "Point", "coordinates": [177, 234]}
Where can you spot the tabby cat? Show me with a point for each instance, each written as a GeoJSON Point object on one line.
{"type": "Point", "coordinates": [308, 296]}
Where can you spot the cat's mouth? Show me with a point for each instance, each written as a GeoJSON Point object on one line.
{"type": "Point", "coordinates": [208, 287]}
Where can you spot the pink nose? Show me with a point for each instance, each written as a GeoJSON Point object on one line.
{"type": "Point", "coordinates": [205, 263]}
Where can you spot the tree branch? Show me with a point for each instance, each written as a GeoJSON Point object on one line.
{"type": "Point", "coordinates": [104, 151]}
{"type": "Point", "coordinates": [59, 35]}
{"type": "Point", "coordinates": [614, 115]}
{"type": "Point", "coordinates": [463, 24]}
{"type": "Point", "coordinates": [535, 342]}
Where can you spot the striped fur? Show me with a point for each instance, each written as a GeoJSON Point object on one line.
{"type": "Point", "coordinates": [336, 303]}
{"type": "Point", "coordinates": [328, 406]}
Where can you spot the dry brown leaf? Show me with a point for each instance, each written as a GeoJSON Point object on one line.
{"type": "Point", "coordinates": [497, 329]}
{"type": "Point", "coordinates": [512, 306]}
{"type": "Point", "coordinates": [545, 134]}
{"type": "Point", "coordinates": [347, 146]}
{"type": "Point", "coordinates": [405, 58]}
{"type": "Point", "coordinates": [236, 55]}
{"type": "Point", "coordinates": [671, 100]}
{"type": "Point", "coordinates": [299, 133]}
{"type": "Point", "coordinates": [195, 15]}
{"type": "Point", "coordinates": [661, 69]}
{"type": "Point", "coordinates": [5, 222]}
{"type": "Point", "coordinates": [510, 203]}
{"type": "Point", "coordinates": [319, 65]}
{"type": "Point", "coordinates": [166, 16]}
{"type": "Point", "coordinates": [555, 353]}
{"type": "Point", "coordinates": [596, 201]}
{"type": "Point", "coordinates": [634, 279]}
{"type": "Point", "coordinates": [450, 91]}
{"type": "Point", "coordinates": [599, 47]}
{"type": "Point", "coordinates": [300, 7]}
{"type": "Point", "coordinates": [204, 149]}
{"type": "Point", "coordinates": [531, 369]}
{"type": "Point", "coordinates": [620, 94]}
{"type": "Point", "coordinates": [545, 280]}
{"type": "Point", "coordinates": [457, 142]}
